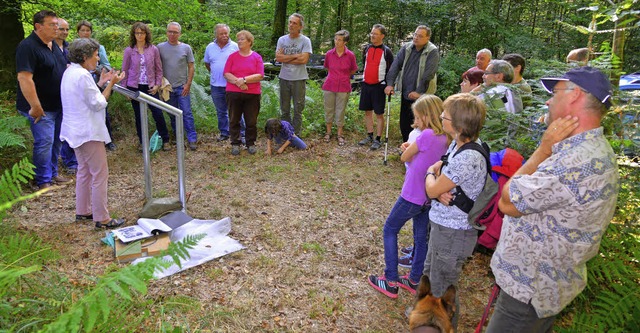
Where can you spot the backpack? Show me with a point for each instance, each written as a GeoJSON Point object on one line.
{"type": "Point", "coordinates": [484, 214]}
{"type": "Point", "coordinates": [476, 208]}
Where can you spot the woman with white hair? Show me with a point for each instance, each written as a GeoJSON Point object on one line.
{"type": "Point", "coordinates": [84, 129]}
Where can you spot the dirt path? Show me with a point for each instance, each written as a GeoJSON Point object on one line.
{"type": "Point", "coordinates": [311, 221]}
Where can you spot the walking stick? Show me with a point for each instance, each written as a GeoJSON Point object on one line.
{"type": "Point", "coordinates": [386, 136]}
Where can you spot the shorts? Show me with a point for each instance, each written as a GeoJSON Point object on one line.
{"type": "Point", "coordinates": [372, 98]}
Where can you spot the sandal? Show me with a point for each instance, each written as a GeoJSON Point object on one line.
{"type": "Point", "coordinates": [327, 138]}
{"type": "Point", "coordinates": [341, 140]}
{"type": "Point", "coordinates": [84, 218]}
{"type": "Point", "coordinates": [113, 223]}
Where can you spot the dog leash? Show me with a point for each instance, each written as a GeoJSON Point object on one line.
{"type": "Point", "coordinates": [495, 290]}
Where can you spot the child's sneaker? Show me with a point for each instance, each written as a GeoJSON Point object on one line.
{"type": "Point", "coordinates": [405, 283]}
{"type": "Point", "coordinates": [407, 250]}
{"type": "Point", "coordinates": [380, 283]}
{"type": "Point", "coordinates": [405, 261]}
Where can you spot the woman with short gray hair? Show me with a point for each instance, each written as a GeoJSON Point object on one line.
{"type": "Point", "coordinates": [83, 128]}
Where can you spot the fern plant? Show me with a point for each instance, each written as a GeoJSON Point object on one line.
{"type": "Point", "coordinates": [11, 184]}
{"type": "Point", "coordinates": [115, 290]}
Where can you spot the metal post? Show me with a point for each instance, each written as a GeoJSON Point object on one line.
{"type": "Point", "coordinates": [146, 100]}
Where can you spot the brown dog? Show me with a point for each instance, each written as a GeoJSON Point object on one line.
{"type": "Point", "coordinates": [432, 314]}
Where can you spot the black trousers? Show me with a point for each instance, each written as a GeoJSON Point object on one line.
{"type": "Point", "coordinates": [406, 118]}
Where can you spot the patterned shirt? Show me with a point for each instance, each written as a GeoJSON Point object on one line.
{"type": "Point", "coordinates": [468, 170]}
{"type": "Point", "coordinates": [567, 205]}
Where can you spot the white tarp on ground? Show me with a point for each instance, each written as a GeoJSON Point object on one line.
{"type": "Point", "coordinates": [215, 244]}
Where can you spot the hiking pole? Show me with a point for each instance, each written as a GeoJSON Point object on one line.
{"type": "Point", "coordinates": [386, 136]}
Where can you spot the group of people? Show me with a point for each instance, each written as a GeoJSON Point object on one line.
{"type": "Point", "coordinates": [557, 205]}
{"type": "Point", "coordinates": [561, 199]}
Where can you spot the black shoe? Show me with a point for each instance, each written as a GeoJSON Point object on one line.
{"type": "Point", "coordinates": [110, 146]}
{"type": "Point", "coordinates": [222, 138]}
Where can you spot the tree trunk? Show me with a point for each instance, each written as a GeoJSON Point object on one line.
{"type": "Point", "coordinates": [320, 28]}
{"type": "Point", "coordinates": [618, 51]}
{"type": "Point", "coordinates": [279, 19]}
{"type": "Point", "coordinates": [13, 33]}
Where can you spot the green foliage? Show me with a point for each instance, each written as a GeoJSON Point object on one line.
{"type": "Point", "coordinates": [10, 128]}
{"type": "Point", "coordinates": [11, 184]}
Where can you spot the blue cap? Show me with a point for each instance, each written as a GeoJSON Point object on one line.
{"type": "Point", "coordinates": [588, 78]}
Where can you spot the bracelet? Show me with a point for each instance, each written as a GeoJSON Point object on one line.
{"type": "Point", "coordinates": [430, 173]}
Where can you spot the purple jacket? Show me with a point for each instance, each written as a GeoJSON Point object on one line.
{"type": "Point", "coordinates": [131, 66]}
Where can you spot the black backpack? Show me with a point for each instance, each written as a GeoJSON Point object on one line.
{"type": "Point", "coordinates": [476, 208]}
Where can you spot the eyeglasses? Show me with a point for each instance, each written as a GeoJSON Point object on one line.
{"type": "Point", "coordinates": [63, 29]}
{"type": "Point", "coordinates": [489, 73]}
{"type": "Point", "coordinates": [173, 32]}
{"type": "Point", "coordinates": [443, 117]}
{"type": "Point", "coordinates": [139, 33]}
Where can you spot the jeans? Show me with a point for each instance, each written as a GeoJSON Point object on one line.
{"type": "Point", "coordinates": [219, 97]}
{"type": "Point", "coordinates": [46, 145]}
{"type": "Point", "coordinates": [295, 90]}
{"type": "Point", "coordinates": [401, 212]}
{"type": "Point", "coordinates": [68, 156]}
{"type": "Point", "coordinates": [158, 116]}
{"type": "Point", "coordinates": [107, 122]}
{"type": "Point", "coordinates": [294, 142]}
{"type": "Point", "coordinates": [511, 316]}
{"type": "Point", "coordinates": [183, 103]}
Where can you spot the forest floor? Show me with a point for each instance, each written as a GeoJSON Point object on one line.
{"type": "Point", "coordinates": [311, 222]}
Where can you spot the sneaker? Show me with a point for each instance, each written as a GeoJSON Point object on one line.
{"type": "Point", "coordinates": [61, 180]}
{"type": "Point", "coordinates": [193, 146]}
{"type": "Point", "coordinates": [380, 283]}
{"type": "Point", "coordinates": [222, 138]}
{"type": "Point", "coordinates": [110, 146]}
{"type": "Point", "coordinates": [376, 145]}
{"type": "Point", "coordinates": [71, 171]}
{"type": "Point", "coordinates": [405, 283]}
{"type": "Point", "coordinates": [235, 150]}
{"type": "Point", "coordinates": [407, 250]}
{"type": "Point", "coordinates": [252, 149]}
{"type": "Point", "coordinates": [405, 261]}
{"type": "Point", "coordinates": [367, 140]}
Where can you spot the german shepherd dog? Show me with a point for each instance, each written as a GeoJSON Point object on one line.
{"type": "Point", "coordinates": [431, 314]}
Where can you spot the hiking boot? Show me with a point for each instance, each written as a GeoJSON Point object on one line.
{"type": "Point", "coordinates": [376, 145]}
{"type": "Point", "coordinates": [405, 261]}
{"type": "Point", "coordinates": [252, 149]}
{"type": "Point", "coordinates": [62, 180]}
{"type": "Point", "coordinates": [193, 146]}
{"type": "Point", "coordinates": [380, 283]}
{"type": "Point", "coordinates": [405, 283]}
{"type": "Point", "coordinates": [235, 150]}
{"type": "Point", "coordinates": [367, 140]}
{"type": "Point", "coordinates": [407, 250]}
{"type": "Point", "coordinates": [222, 138]}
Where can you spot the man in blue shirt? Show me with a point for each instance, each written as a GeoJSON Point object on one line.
{"type": "Point", "coordinates": [215, 57]}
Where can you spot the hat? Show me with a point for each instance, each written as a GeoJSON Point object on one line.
{"type": "Point", "coordinates": [588, 78]}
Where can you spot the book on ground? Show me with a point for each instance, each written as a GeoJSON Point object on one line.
{"type": "Point", "coordinates": [144, 229]}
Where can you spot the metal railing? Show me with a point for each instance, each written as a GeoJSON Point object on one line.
{"type": "Point", "coordinates": [144, 101]}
